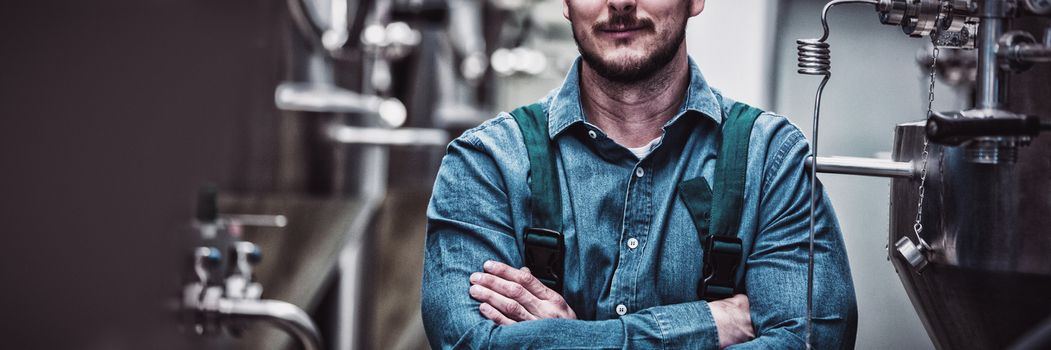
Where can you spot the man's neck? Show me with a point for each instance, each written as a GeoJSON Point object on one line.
{"type": "Point", "coordinates": [634, 114]}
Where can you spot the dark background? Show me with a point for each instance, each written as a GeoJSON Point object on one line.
{"type": "Point", "coordinates": [112, 115]}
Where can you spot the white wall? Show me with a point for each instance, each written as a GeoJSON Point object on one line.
{"type": "Point", "coordinates": [732, 42]}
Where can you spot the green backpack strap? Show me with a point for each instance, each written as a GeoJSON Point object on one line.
{"type": "Point", "coordinates": [544, 243]}
{"type": "Point", "coordinates": [717, 215]}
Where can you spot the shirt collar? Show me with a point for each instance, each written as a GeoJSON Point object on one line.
{"type": "Point", "coordinates": [565, 108]}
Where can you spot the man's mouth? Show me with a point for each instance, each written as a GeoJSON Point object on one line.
{"type": "Point", "coordinates": [623, 27]}
{"type": "Point", "coordinates": [622, 32]}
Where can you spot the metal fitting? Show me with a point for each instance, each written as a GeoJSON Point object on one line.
{"type": "Point", "coordinates": [892, 12]}
{"type": "Point", "coordinates": [1019, 50]}
{"type": "Point", "coordinates": [914, 254]}
{"type": "Point", "coordinates": [921, 18]}
{"type": "Point", "coordinates": [951, 23]}
{"type": "Point", "coordinates": [1040, 7]}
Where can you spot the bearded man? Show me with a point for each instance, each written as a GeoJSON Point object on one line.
{"type": "Point", "coordinates": [587, 220]}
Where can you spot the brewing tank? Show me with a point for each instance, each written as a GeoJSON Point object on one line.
{"type": "Point", "coordinates": [988, 283]}
{"type": "Point", "coordinates": [989, 280]}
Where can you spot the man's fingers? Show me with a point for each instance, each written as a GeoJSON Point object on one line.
{"type": "Point", "coordinates": [494, 315]}
{"type": "Point", "coordinates": [509, 289]}
{"type": "Point", "coordinates": [523, 277]}
{"type": "Point", "coordinates": [507, 306]}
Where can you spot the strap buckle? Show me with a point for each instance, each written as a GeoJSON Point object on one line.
{"type": "Point", "coordinates": [544, 251]}
{"type": "Point", "coordinates": [722, 255]}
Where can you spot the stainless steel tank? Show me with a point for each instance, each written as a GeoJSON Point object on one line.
{"type": "Point", "coordinates": [988, 284]}
{"type": "Point", "coordinates": [989, 280]}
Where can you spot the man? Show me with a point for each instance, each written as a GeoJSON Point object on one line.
{"type": "Point", "coordinates": [632, 121]}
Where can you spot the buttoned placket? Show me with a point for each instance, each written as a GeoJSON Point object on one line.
{"type": "Point", "coordinates": [637, 214]}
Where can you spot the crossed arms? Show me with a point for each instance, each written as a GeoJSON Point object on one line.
{"type": "Point", "coordinates": [470, 224]}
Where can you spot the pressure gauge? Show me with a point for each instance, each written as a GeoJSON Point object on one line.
{"type": "Point", "coordinates": [1042, 7]}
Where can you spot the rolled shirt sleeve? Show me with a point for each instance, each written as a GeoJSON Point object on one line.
{"type": "Point", "coordinates": [776, 277]}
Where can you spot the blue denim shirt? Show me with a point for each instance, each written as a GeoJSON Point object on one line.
{"type": "Point", "coordinates": [480, 206]}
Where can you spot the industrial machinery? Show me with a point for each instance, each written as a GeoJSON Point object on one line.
{"type": "Point", "coordinates": [970, 223]}
{"type": "Point", "coordinates": [223, 294]}
{"type": "Point", "coordinates": [371, 93]}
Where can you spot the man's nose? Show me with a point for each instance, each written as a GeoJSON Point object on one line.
{"type": "Point", "coordinates": [620, 6]}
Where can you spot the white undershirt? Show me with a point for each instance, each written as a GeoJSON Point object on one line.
{"type": "Point", "coordinates": [644, 150]}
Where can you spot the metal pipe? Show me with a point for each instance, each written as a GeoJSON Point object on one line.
{"type": "Point", "coordinates": [285, 316]}
{"type": "Point", "coordinates": [388, 137]}
{"type": "Point", "coordinates": [863, 166]}
{"type": "Point", "coordinates": [990, 84]}
{"type": "Point", "coordinates": [304, 20]}
{"type": "Point", "coordinates": [326, 98]}
{"type": "Point", "coordinates": [1029, 53]}
{"type": "Point", "coordinates": [256, 220]}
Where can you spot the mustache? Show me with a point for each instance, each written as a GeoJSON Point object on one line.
{"type": "Point", "coordinates": [622, 22]}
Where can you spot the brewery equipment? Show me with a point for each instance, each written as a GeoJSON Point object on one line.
{"type": "Point", "coordinates": [971, 194]}
{"type": "Point", "coordinates": [223, 295]}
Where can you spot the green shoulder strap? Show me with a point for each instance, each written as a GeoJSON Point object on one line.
{"type": "Point", "coordinates": [546, 198]}
{"type": "Point", "coordinates": [731, 169]}
{"type": "Point", "coordinates": [716, 211]}
{"type": "Point", "coordinates": [544, 243]}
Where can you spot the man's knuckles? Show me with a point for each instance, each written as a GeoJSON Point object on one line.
{"type": "Point", "coordinates": [512, 308]}
{"type": "Point", "coordinates": [494, 315]}
{"type": "Point", "coordinates": [515, 291]}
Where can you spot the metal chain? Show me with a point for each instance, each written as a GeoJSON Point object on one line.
{"type": "Point", "coordinates": [918, 226]}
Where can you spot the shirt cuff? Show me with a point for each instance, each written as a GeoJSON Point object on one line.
{"type": "Point", "coordinates": [678, 326]}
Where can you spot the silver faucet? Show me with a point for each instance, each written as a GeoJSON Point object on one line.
{"type": "Point", "coordinates": [231, 304]}
{"type": "Point", "coordinates": [283, 315]}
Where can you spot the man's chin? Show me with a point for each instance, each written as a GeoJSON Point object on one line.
{"type": "Point", "coordinates": [620, 67]}
{"type": "Point", "coordinates": [615, 55]}
{"type": "Point", "coordinates": [621, 72]}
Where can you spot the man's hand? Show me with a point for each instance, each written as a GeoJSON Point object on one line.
{"type": "Point", "coordinates": [511, 295]}
{"type": "Point", "coordinates": [733, 320]}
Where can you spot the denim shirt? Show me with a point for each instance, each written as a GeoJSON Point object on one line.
{"type": "Point", "coordinates": [630, 243]}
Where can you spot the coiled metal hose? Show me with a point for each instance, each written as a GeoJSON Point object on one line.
{"type": "Point", "coordinates": [815, 58]}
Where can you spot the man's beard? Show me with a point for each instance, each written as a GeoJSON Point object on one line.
{"type": "Point", "coordinates": [632, 70]}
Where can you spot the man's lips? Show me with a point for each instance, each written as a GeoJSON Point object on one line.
{"type": "Point", "coordinates": [622, 32]}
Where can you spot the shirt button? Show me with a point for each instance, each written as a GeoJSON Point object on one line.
{"type": "Point", "coordinates": [633, 243]}
{"type": "Point", "coordinates": [639, 172]}
{"type": "Point", "coordinates": [592, 134]}
{"type": "Point", "coordinates": [621, 309]}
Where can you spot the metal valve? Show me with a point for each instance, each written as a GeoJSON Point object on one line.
{"type": "Point", "coordinates": [205, 261]}
{"type": "Point", "coordinates": [203, 294]}
{"type": "Point", "coordinates": [892, 12]}
{"type": "Point", "coordinates": [949, 22]}
{"type": "Point", "coordinates": [210, 305]}
{"type": "Point", "coordinates": [240, 283]}
{"type": "Point", "coordinates": [922, 18]}
{"type": "Point", "coordinates": [914, 254]}
{"type": "Point", "coordinates": [916, 17]}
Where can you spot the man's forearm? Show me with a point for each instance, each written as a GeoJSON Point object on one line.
{"type": "Point", "coordinates": [687, 325]}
